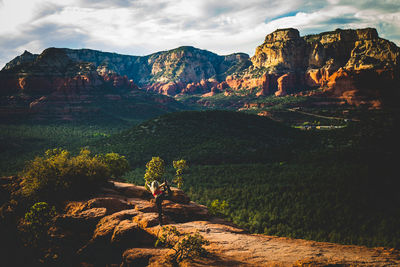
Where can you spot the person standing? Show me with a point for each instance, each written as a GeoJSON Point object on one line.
{"type": "Point", "coordinates": [160, 192]}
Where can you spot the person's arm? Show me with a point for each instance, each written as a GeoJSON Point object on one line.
{"type": "Point", "coordinates": [163, 184]}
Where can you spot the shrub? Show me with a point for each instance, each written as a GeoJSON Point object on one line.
{"type": "Point", "coordinates": [58, 174]}
{"type": "Point", "coordinates": [218, 207]}
{"type": "Point", "coordinates": [117, 164]}
{"type": "Point", "coordinates": [184, 246]}
{"type": "Point", "coordinates": [36, 223]}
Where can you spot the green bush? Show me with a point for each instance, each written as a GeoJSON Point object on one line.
{"type": "Point", "coordinates": [185, 246]}
{"type": "Point", "coordinates": [37, 222]}
{"type": "Point", "coordinates": [218, 207]}
{"type": "Point", "coordinates": [117, 164]}
{"type": "Point", "coordinates": [58, 174]}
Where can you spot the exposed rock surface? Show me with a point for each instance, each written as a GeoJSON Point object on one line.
{"type": "Point", "coordinates": [122, 226]}
{"type": "Point", "coordinates": [67, 83]}
{"type": "Point", "coordinates": [355, 65]}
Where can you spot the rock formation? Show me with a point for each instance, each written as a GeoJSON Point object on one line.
{"type": "Point", "coordinates": [355, 65]}
{"type": "Point", "coordinates": [118, 226]}
{"type": "Point", "coordinates": [53, 84]}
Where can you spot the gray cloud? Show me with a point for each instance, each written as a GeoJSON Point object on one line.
{"type": "Point", "coordinates": [106, 3]}
{"type": "Point", "coordinates": [142, 26]}
{"type": "Point", "coordinates": [381, 5]}
{"type": "Point", "coordinates": [47, 9]}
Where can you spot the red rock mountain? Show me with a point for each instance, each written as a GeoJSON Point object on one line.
{"type": "Point", "coordinates": [355, 65]}
{"type": "Point", "coordinates": [55, 84]}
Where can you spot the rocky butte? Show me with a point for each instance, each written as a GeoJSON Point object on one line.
{"type": "Point", "coordinates": [355, 65]}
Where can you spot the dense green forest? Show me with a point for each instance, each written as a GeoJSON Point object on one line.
{"type": "Point", "coordinates": [207, 137]}
{"type": "Point", "coordinates": [339, 185]}
{"type": "Point", "coordinates": [22, 142]}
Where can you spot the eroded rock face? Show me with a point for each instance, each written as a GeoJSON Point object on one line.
{"type": "Point", "coordinates": [343, 63]}
{"type": "Point", "coordinates": [285, 50]}
{"type": "Point", "coordinates": [282, 49]}
{"type": "Point", "coordinates": [122, 218]}
{"type": "Point", "coordinates": [67, 81]}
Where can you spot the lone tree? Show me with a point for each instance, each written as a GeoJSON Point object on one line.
{"type": "Point", "coordinates": [155, 170]}
{"type": "Point", "coordinates": [179, 166]}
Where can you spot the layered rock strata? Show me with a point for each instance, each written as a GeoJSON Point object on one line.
{"type": "Point", "coordinates": [355, 65]}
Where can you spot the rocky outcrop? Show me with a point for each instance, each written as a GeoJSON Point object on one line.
{"type": "Point", "coordinates": [119, 226]}
{"type": "Point", "coordinates": [282, 50]}
{"type": "Point", "coordinates": [355, 65]}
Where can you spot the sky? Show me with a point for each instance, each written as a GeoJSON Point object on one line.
{"type": "Point", "coordinates": [141, 27]}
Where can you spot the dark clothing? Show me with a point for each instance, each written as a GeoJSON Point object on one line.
{"type": "Point", "coordinates": [159, 199]}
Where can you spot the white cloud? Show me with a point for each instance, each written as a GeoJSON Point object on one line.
{"type": "Point", "coordinates": [141, 27]}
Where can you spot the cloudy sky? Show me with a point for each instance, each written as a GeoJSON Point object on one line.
{"type": "Point", "coordinates": [141, 27]}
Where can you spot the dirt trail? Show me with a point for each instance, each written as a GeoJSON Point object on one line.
{"type": "Point", "coordinates": [320, 116]}
{"type": "Point", "coordinates": [234, 247]}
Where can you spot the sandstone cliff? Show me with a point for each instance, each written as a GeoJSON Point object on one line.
{"type": "Point", "coordinates": [355, 65]}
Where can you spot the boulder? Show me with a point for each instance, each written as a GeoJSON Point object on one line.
{"type": "Point", "coordinates": [111, 204]}
{"type": "Point", "coordinates": [179, 196]}
{"type": "Point", "coordinates": [179, 212]}
{"type": "Point", "coordinates": [102, 235]}
{"type": "Point", "coordinates": [150, 219]}
{"type": "Point", "coordinates": [130, 234]}
{"type": "Point", "coordinates": [144, 257]}
{"type": "Point", "coordinates": [132, 191]}
{"type": "Point", "coordinates": [86, 219]}
{"type": "Point", "coordinates": [105, 227]}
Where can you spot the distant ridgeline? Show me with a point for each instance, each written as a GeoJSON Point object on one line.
{"type": "Point", "coordinates": [356, 66]}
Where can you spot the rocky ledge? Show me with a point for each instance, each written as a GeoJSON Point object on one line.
{"type": "Point", "coordinates": [119, 226]}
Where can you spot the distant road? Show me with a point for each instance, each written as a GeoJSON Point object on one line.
{"type": "Point", "coordinates": [319, 116]}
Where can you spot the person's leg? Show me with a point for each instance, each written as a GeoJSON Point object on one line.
{"type": "Point", "coordinates": [159, 200]}
{"type": "Point", "coordinates": [169, 192]}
